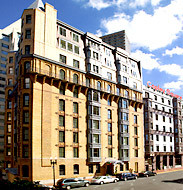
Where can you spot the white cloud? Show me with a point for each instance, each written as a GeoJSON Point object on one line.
{"type": "Point", "coordinates": [150, 31]}
{"type": "Point", "coordinates": [155, 2]}
{"type": "Point", "coordinates": [172, 69]}
{"type": "Point", "coordinates": [99, 33]}
{"type": "Point", "coordinates": [174, 51]}
{"type": "Point", "coordinates": [148, 61]}
{"type": "Point", "coordinates": [174, 85]}
{"type": "Point", "coordinates": [138, 3]}
{"type": "Point", "coordinates": [99, 4]}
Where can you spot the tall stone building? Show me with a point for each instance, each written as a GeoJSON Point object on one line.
{"type": "Point", "coordinates": [9, 37]}
{"type": "Point", "coordinates": [74, 97]}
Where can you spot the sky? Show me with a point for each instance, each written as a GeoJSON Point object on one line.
{"type": "Point", "coordinates": [154, 28]}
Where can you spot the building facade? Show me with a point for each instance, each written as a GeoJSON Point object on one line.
{"type": "Point", "coordinates": [9, 37]}
{"type": "Point", "coordinates": [75, 98]}
{"type": "Point", "coordinates": [162, 136]}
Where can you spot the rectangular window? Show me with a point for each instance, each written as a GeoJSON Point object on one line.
{"type": "Point", "coordinates": [27, 83]}
{"type": "Point", "coordinates": [156, 117]}
{"type": "Point", "coordinates": [95, 69]}
{"type": "Point", "coordinates": [96, 138]}
{"type": "Point", "coordinates": [25, 151]}
{"type": "Point", "coordinates": [109, 76]}
{"type": "Point", "coordinates": [61, 105]}
{"type": "Point", "coordinates": [136, 153]}
{"type": "Point", "coordinates": [75, 63]}
{"type": "Point", "coordinates": [75, 152]}
{"type": "Point", "coordinates": [26, 99]}
{"type": "Point", "coordinates": [110, 152]}
{"type": "Point", "coordinates": [9, 139]}
{"type": "Point", "coordinates": [25, 134]}
{"type": "Point", "coordinates": [109, 114]}
{"type": "Point", "coordinates": [61, 121]}
{"type": "Point", "coordinates": [75, 137]}
{"type": "Point", "coordinates": [26, 116]}
{"type": "Point", "coordinates": [90, 168]}
{"type": "Point", "coordinates": [9, 128]}
{"type": "Point", "coordinates": [164, 138]}
{"type": "Point", "coordinates": [136, 141]}
{"type": "Point", "coordinates": [63, 44]}
{"type": "Point", "coordinates": [62, 89]}
{"type": "Point", "coordinates": [10, 70]}
{"type": "Point", "coordinates": [28, 19]}
{"type": "Point", "coordinates": [61, 136]}
{"type": "Point", "coordinates": [75, 37]}
{"type": "Point", "coordinates": [135, 119]}
{"type": "Point", "coordinates": [61, 152]}
{"type": "Point", "coordinates": [28, 34]}
{"type": "Point", "coordinates": [69, 46]}
{"type": "Point", "coordinates": [163, 118]}
{"type": "Point", "coordinates": [61, 169]}
{"type": "Point", "coordinates": [98, 168]}
{"type": "Point", "coordinates": [95, 110]}
{"type": "Point", "coordinates": [27, 49]}
{"type": "Point", "coordinates": [124, 80]}
{"type": "Point", "coordinates": [95, 124]}
{"type": "Point", "coordinates": [157, 137]}
{"type": "Point", "coordinates": [75, 122]}
{"type": "Point", "coordinates": [109, 140]}
{"type": "Point", "coordinates": [109, 127]}
{"type": "Point", "coordinates": [125, 116]}
{"type": "Point", "coordinates": [76, 50]}
{"type": "Point", "coordinates": [75, 107]}
{"type": "Point", "coordinates": [62, 31]}
{"type": "Point", "coordinates": [157, 148]}
{"type": "Point", "coordinates": [135, 130]}
{"type": "Point", "coordinates": [62, 59]}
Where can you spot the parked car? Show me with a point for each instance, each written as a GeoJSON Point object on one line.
{"type": "Point", "coordinates": [147, 173]}
{"type": "Point", "coordinates": [71, 182]}
{"type": "Point", "coordinates": [104, 179]}
{"type": "Point", "coordinates": [126, 176]}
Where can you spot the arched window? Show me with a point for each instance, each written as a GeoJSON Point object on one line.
{"type": "Point", "coordinates": [87, 82]}
{"type": "Point", "coordinates": [95, 96]}
{"type": "Point", "coordinates": [62, 74]}
{"type": "Point", "coordinates": [75, 78]}
{"type": "Point", "coordinates": [76, 169]}
{"type": "Point", "coordinates": [126, 93]}
{"type": "Point", "coordinates": [108, 88]}
{"type": "Point", "coordinates": [98, 85]}
{"type": "Point", "coordinates": [48, 69]}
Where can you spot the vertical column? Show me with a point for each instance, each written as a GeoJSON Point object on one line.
{"type": "Point", "coordinates": [181, 160]}
{"type": "Point", "coordinates": [167, 161]}
{"type": "Point", "coordinates": [154, 163]}
{"type": "Point", "coordinates": [173, 161]}
{"type": "Point", "coordinates": [161, 162]}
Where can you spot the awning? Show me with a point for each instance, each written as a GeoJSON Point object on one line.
{"type": "Point", "coordinates": [114, 162]}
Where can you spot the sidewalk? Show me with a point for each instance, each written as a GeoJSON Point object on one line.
{"type": "Point", "coordinates": [169, 170]}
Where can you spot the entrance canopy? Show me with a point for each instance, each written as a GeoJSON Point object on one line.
{"type": "Point", "coordinates": [114, 162]}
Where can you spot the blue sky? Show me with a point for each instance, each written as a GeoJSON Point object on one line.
{"type": "Point", "coordinates": [154, 28]}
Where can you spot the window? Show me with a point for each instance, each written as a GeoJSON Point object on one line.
{"type": "Point", "coordinates": [152, 137]}
{"type": "Point", "coordinates": [96, 138]}
{"type": "Point", "coordinates": [170, 139]}
{"type": "Point", "coordinates": [61, 121]}
{"type": "Point", "coordinates": [164, 129]}
{"type": "Point", "coordinates": [163, 108]}
{"type": "Point", "coordinates": [98, 168]}
{"type": "Point", "coordinates": [27, 49]}
{"type": "Point", "coordinates": [124, 68]}
{"type": "Point", "coordinates": [95, 96]}
{"type": "Point", "coordinates": [69, 46]}
{"type": "Point", "coordinates": [109, 140]}
{"type": "Point", "coordinates": [124, 80]}
{"type": "Point", "coordinates": [63, 44]}
{"type": "Point", "coordinates": [75, 137]}
{"type": "Point", "coordinates": [109, 101]}
{"type": "Point", "coordinates": [28, 19]}
{"type": "Point", "coordinates": [157, 137]}
{"type": "Point", "coordinates": [75, 122]}
{"type": "Point", "coordinates": [10, 70]}
{"type": "Point", "coordinates": [75, 37]}
{"type": "Point", "coordinates": [5, 46]}
{"type": "Point", "coordinates": [62, 89]}
{"type": "Point", "coordinates": [61, 169]}
{"type": "Point", "coordinates": [90, 168]}
{"type": "Point", "coordinates": [25, 171]}
{"type": "Point", "coordinates": [75, 78]}
{"type": "Point", "coordinates": [26, 66]}
{"type": "Point", "coordinates": [75, 63]}
{"type": "Point", "coordinates": [169, 102]}
{"type": "Point", "coordinates": [76, 50]}
{"type": "Point", "coordinates": [62, 74]}
{"type": "Point", "coordinates": [95, 124]}
{"type": "Point", "coordinates": [95, 110]}
{"type": "Point", "coordinates": [9, 128]}
{"type": "Point", "coordinates": [9, 104]}
{"type": "Point", "coordinates": [26, 99]}
{"type": "Point", "coordinates": [157, 128]}
{"type": "Point", "coordinates": [75, 107]}
{"type": "Point", "coordinates": [96, 152]}
{"type": "Point", "coordinates": [162, 99]}
{"type": "Point", "coordinates": [156, 107]}
{"type": "Point", "coordinates": [126, 93]}
{"type": "Point", "coordinates": [125, 116]}
{"type": "Point", "coordinates": [135, 119]}
{"type": "Point", "coordinates": [95, 55]}
{"type": "Point", "coordinates": [136, 153]}
{"type": "Point", "coordinates": [134, 85]}
{"type": "Point", "coordinates": [28, 34]}
{"type": "Point", "coordinates": [98, 85]}
{"type": "Point", "coordinates": [62, 58]}
{"type": "Point", "coordinates": [61, 136]}
{"type": "Point", "coordinates": [109, 114]}
{"type": "Point", "coordinates": [25, 151]}
{"type": "Point", "coordinates": [109, 127]}
{"type": "Point", "coordinates": [135, 130]}
{"type": "Point", "coordinates": [163, 118]}
{"type": "Point", "coordinates": [170, 130]}
{"type": "Point", "coordinates": [61, 105]}
{"type": "Point", "coordinates": [157, 148]}
{"type": "Point", "coordinates": [25, 116]}
{"type": "Point", "coordinates": [9, 139]}
{"type": "Point", "coordinates": [164, 138]}
{"type": "Point", "coordinates": [62, 31]}
{"type": "Point", "coordinates": [10, 59]}
{"type": "Point", "coordinates": [136, 141]}
{"type": "Point", "coordinates": [156, 117]}
{"type": "Point", "coordinates": [109, 76]}
{"type": "Point", "coordinates": [25, 134]}
{"type": "Point", "coordinates": [27, 83]}
{"type": "Point", "coordinates": [61, 152]}
{"type": "Point", "coordinates": [87, 82]}
{"type": "Point", "coordinates": [108, 88]}
{"type": "Point", "coordinates": [76, 169]}
{"type": "Point", "coordinates": [164, 148]}
{"type": "Point", "coordinates": [75, 93]}
{"type": "Point", "coordinates": [125, 104]}
{"type": "Point", "coordinates": [110, 152]}
{"type": "Point", "coordinates": [75, 152]}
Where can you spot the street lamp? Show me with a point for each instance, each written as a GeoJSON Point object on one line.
{"type": "Point", "coordinates": [53, 163]}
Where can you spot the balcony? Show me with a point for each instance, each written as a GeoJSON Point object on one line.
{"type": "Point", "coordinates": [94, 159]}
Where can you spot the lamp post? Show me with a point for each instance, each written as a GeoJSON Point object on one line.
{"type": "Point", "coordinates": [53, 163]}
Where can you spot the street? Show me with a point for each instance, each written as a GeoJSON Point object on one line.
{"type": "Point", "coordinates": [165, 181]}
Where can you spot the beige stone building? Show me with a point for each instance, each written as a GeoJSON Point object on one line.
{"type": "Point", "coordinates": [75, 98]}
